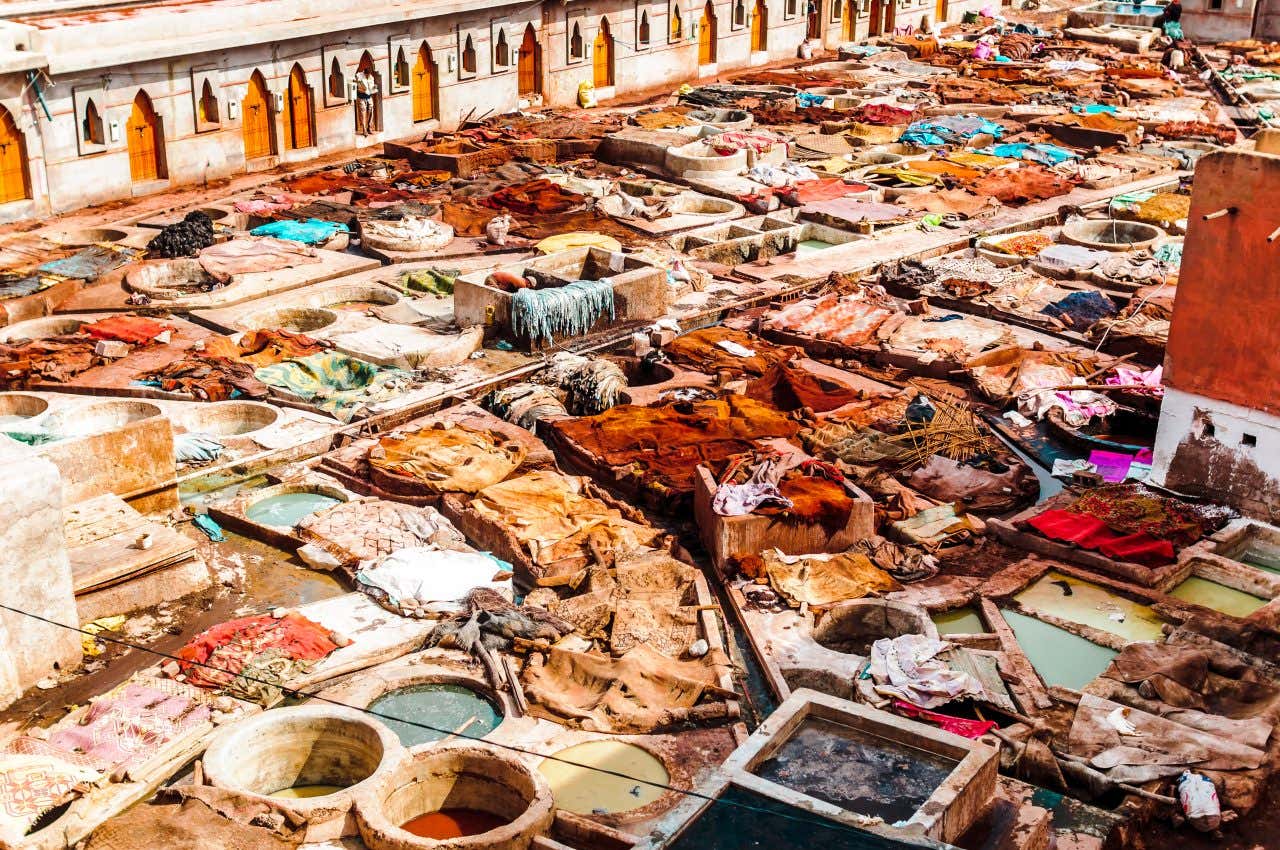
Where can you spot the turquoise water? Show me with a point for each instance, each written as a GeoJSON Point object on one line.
{"type": "Point", "coordinates": [1060, 657]}
{"type": "Point", "coordinates": [440, 705]}
{"type": "Point", "coordinates": [287, 509]}
{"type": "Point", "coordinates": [810, 246]}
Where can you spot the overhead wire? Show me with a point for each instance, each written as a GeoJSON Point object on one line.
{"type": "Point", "coordinates": [824, 823]}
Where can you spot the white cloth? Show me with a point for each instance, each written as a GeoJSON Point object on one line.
{"type": "Point", "coordinates": [1197, 795]}
{"type": "Point", "coordinates": [438, 579]}
{"type": "Point", "coordinates": [906, 667]}
{"type": "Point", "coordinates": [760, 488]}
{"type": "Point", "coordinates": [735, 349]}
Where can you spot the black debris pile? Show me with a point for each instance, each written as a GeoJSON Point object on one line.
{"type": "Point", "coordinates": [184, 239]}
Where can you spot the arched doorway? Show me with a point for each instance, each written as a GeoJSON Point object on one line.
{"type": "Point", "coordinates": [814, 27]}
{"type": "Point", "coordinates": [850, 19]}
{"type": "Point", "coordinates": [707, 35]}
{"type": "Point", "coordinates": [368, 97]}
{"type": "Point", "coordinates": [602, 56]}
{"type": "Point", "coordinates": [940, 12]}
{"type": "Point", "coordinates": [146, 140]}
{"type": "Point", "coordinates": [530, 63]}
{"type": "Point", "coordinates": [425, 85]}
{"type": "Point", "coordinates": [877, 18]}
{"type": "Point", "coordinates": [301, 114]}
{"type": "Point", "coordinates": [255, 123]}
{"type": "Point", "coordinates": [760, 27]}
{"type": "Point", "coordinates": [14, 185]}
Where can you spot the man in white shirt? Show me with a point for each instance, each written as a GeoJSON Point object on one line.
{"type": "Point", "coordinates": [366, 87]}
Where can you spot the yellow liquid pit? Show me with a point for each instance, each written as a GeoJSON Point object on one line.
{"type": "Point", "coordinates": [584, 791]}
{"type": "Point", "coordinates": [959, 621]}
{"type": "Point", "coordinates": [1219, 597]}
{"type": "Point", "coordinates": [305, 792]}
{"type": "Point", "coordinates": [1091, 605]}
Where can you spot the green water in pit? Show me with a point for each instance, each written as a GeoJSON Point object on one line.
{"type": "Point", "coordinates": [959, 621]}
{"type": "Point", "coordinates": [1219, 597]}
{"type": "Point", "coordinates": [440, 705]}
{"type": "Point", "coordinates": [1091, 605]}
{"type": "Point", "coordinates": [287, 509]}
{"type": "Point", "coordinates": [811, 246]}
{"type": "Point", "coordinates": [1060, 657]}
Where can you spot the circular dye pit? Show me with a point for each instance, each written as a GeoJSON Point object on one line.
{"type": "Point", "coordinates": [16, 407]}
{"type": "Point", "coordinates": [172, 279]}
{"type": "Point", "coordinates": [580, 789]}
{"type": "Point", "coordinates": [285, 510]}
{"type": "Point", "coordinates": [852, 627]}
{"type": "Point", "coordinates": [87, 236]}
{"type": "Point", "coordinates": [464, 795]}
{"type": "Point", "coordinates": [440, 705]}
{"type": "Point", "coordinates": [1112, 234]}
{"type": "Point", "coordinates": [300, 753]}
{"type": "Point", "coordinates": [230, 418]}
{"type": "Point", "coordinates": [40, 328]}
{"type": "Point", "coordinates": [299, 320]}
{"type": "Point", "coordinates": [98, 418]}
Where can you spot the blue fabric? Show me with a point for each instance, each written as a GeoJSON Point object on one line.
{"type": "Point", "coordinates": [1173, 29]}
{"type": "Point", "coordinates": [1045, 154]}
{"type": "Point", "coordinates": [805, 99]}
{"type": "Point", "coordinates": [313, 231]}
{"type": "Point", "coordinates": [1093, 108]}
{"type": "Point", "coordinates": [1079, 310]}
{"type": "Point", "coordinates": [949, 129]}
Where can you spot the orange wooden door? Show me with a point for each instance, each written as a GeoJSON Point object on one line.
{"type": "Point", "coordinates": [255, 123]}
{"type": "Point", "coordinates": [424, 85]}
{"type": "Point", "coordinates": [850, 19]}
{"type": "Point", "coordinates": [940, 12]}
{"type": "Point", "coordinates": [13, 160]}
{"type": "Point", "coordinates": [529, 72]}
{"type": "Point", "coordinates": [602, 57]}
{"type": "Point", "coordinates": [300, 111]}
{"type": "Point", "coordinates": [707, 35]}
{"type": "Point", "coordinates": [760, 27]}
{"type": "Point", "coordinates": [143, 133]}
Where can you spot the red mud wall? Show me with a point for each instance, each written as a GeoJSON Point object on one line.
{"type": "Point", "coordinates": [1224, 342]}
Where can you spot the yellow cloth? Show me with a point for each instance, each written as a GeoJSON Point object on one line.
{"type": "Point", "coordinates": [578, 239]}
{"type": "Point", "coordinates": [444, 460]}
{"type": "Point", "coordinates": [822, 580]}
{"type": "Point", "coordinates": [835, 165]}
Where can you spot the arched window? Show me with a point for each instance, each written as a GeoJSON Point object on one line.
{"type": "Point", "coordinates": [337, 81]}
{"type": "Point", "coordinates": [677, 24]}
{"type": "Point", "coordinates": [91, 125]}
{"type": "Point", "coordinates": [402, 70]}
{"type": "Point", "coordinates": [469, 56]}
{"type": "Point", "coordinates": [642, 32]}
{"type": "Point", "coordinates": [14, 184]}
{"type": "Point", "coordinates": [740, 13]}
{"type": "Point", "coordinates": [208, 105]}
{"type": "Point", "coordinates": [501, 54]}
{"type": "Point", "coordinates": [575, 43]}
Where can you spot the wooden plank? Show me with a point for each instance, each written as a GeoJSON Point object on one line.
{"type": "Point", "coordinates": [102, 535]}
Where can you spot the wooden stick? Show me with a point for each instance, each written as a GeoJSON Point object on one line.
{"type": "Point", "coordinates": [1275, 234]}
{"type": "Point", "coordinates": [456, 732]}
{"type": "Point", "coordinates": [1219, 213]}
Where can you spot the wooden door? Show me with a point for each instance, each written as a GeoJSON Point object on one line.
{"type": "Point", "coordinates": [13, 160]}
{"type": "Point", "coordinates": [814, 27]}
{"type": "Point", "coordinates": [850, 19]}
{"type": "Point", "coordinates": [255, 123]}
{"type": "Point", "coordinates": [707, 35]}
{"type": "Point", "coordinates": [529, 71]}
{"type": "Point", "coordinates": [890, 16]}
{"type": "Point", "coordinates": [877, 17]}
{"type": "Point", "coordinates": [760, 28]}
{"type": "Point", "coordinates": [940, 12]}
{"type": "Point", "coordinates": [602, 57]}
{"type": "Point", "coordinates": [424, 85]}
{"type": "Point", "coordinates": [144, 138]}
{"type": "Point", "coordinates": [301, 134]}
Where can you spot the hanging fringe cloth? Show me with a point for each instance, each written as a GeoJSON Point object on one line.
{"type": "Point", "coordinates": [570, 310]}
{"type": "Point", "coordinates": [592, 385]}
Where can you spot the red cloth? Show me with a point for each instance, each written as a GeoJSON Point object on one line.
{"type": "Point", "coordinates": [1091, 533]}
{"type": "Point", "coordinates": [228, 646]}
{"type": "Point", "coordinates": [956, 725]}
{"type": "Point", "coordinates": [135, 330]}
{"type": "Point", "coordinates": [826, 189]}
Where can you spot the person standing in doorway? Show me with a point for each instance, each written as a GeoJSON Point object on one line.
{"type": "Point", "coordinates": [366, 88]}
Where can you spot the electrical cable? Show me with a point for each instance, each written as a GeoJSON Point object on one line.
{"type": "Point", "coordinates": [824, 823]}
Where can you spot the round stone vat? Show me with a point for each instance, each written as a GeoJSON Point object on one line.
{"type": "Point", "coordinates": [230, 418]}
{"type": "Point", "coordinates": [585, 779]}
{"type": "Point", "coordinates": [691, 204]}
{"type": "Point", "coordinates": [285, 505]}
{"type": "Point", "coordinates": [49, 326]}
{"type": "Point", "coordinates": [98, 417]}
{"type": "Point", "coordinates": [171, 280]}
{"type": "Point", "coordinates": [851, 627]}
{"type": "Point", "coordinates": [298, 320]}
{"type": "Point", "coordinates": [829, 91]}
{"type": "Point", "coordinates": [878, 158]}
{"type": "Point", "coordinates": [315, 757]}
{"type": "Point", "coordinates": [725, 119]}
{"type": "Point", "coordinates": [643, 373]}
{"type": "Point", "coordinates": [426, 712]}
{"type": "Point", "coordinates": [456, 796]}
{"type": "Point", "coordinates": [356, 296]}
{"type": "Point", "coordinates": [18, 406]}
{"type": "Point", "coordinates": [83, 236]}
{"type": "Point", "coordinates": [1112, 234]}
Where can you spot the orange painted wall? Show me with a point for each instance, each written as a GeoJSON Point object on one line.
{"type": "Point", "coordinates": [1224, 342]}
